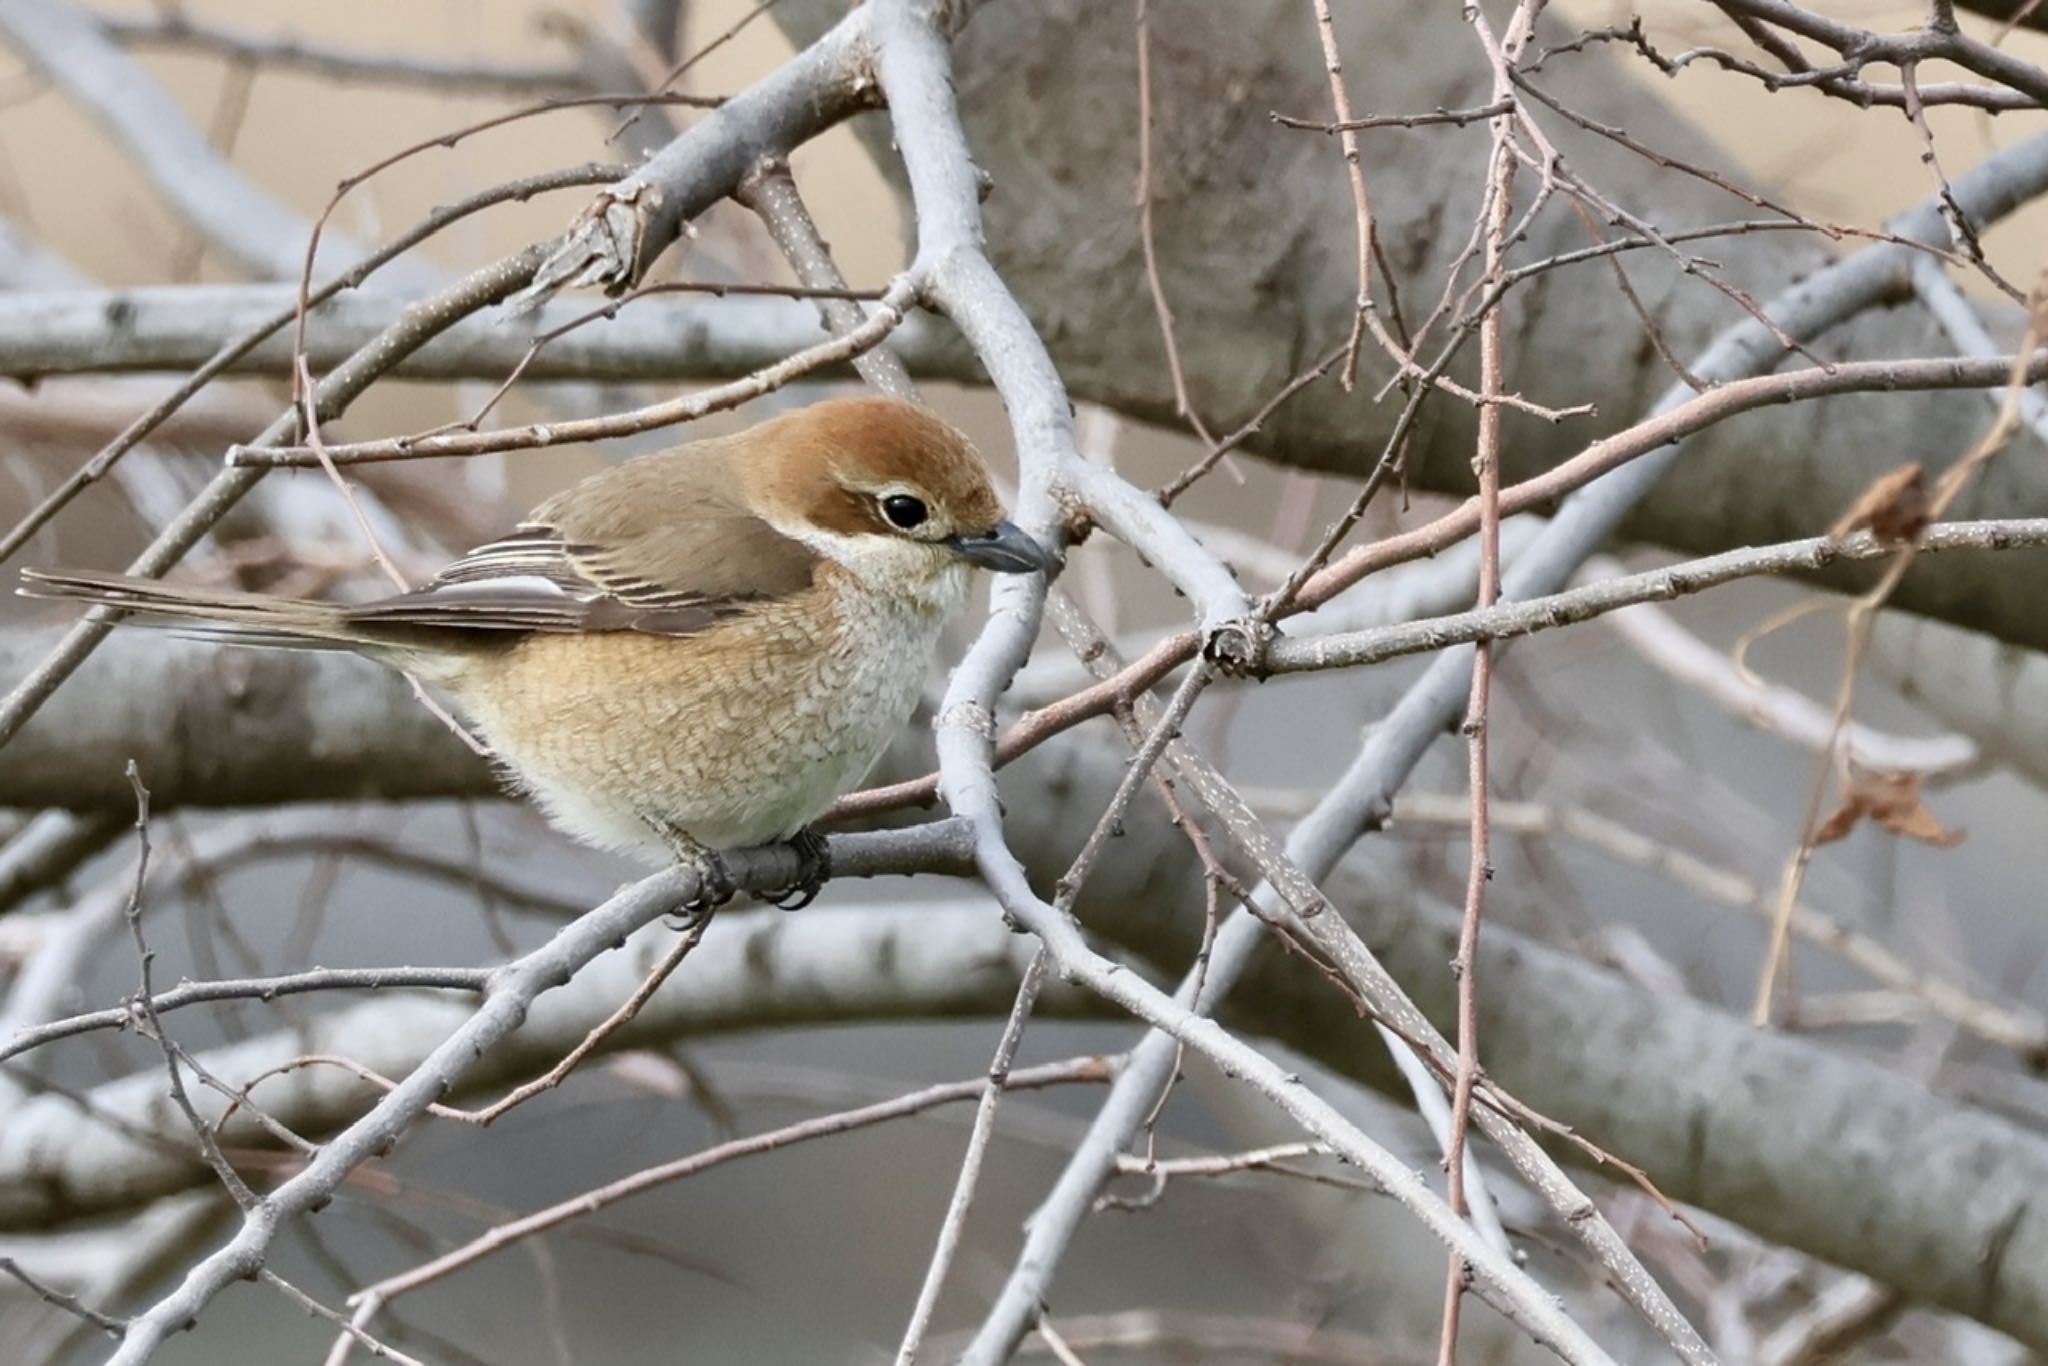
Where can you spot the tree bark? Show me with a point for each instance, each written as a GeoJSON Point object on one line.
{"type": "Point", "coordinates": [1254, 231]}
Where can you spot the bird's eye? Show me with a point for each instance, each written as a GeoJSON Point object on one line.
{"type": "Point", "coordinates": [904, 511]}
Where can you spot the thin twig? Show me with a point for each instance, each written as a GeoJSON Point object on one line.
{"type": "Point", "coordinates": [376, 168]}
{"type": "Point", "coordinates": [1862, 615]}
{"type": "Point", "coordinates": [230, 1179]}
{"type": "Point", "coordinates": [1479, 870]}
{"type": "Point", "coordinates": [248, 989]}
{"type": "Point", "coordinates": [382, 1293]}
{"type": "Point", "coordinates": [175, 29]}
{"type": "Point", "coordinates": [69, 1303]}
{"type": "Point", "coordinates": [350, 1330]}
{"type": "Point", "coordinates": [1160, 306]}
{"type": "Point", "coordinates": [1354, 171]}
{"type": "Point", "coordinates": [1458, 117]}
{"type": "Point", "coordinates": [891, 309]}
{"type": "Point", "coordinates": [955, 1222]}
{"type": "Point", "coordinates": [103, 460]}
{"type": "Point", "coordinates": [1187, 478]}
{"type": "Point", "coordinates": [611, 1024]}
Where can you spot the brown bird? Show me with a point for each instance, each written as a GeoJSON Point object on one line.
{"type": "Point", "coordinates": [696, 650]}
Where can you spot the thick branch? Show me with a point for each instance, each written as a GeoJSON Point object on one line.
{"type": "Point", "coordinates": [176, 328]}
{"type": "Point", "coordinates": [213, 727]}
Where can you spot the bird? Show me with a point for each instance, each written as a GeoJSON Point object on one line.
{"type": "Point", "coordinates": [692, 651]}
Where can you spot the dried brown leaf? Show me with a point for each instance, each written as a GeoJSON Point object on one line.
{"type": "Point", "coordinates": [1890, 800]}
{"type": "Point", "coordinates": [1894, 508]}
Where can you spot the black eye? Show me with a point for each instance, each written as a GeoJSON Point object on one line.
{"type": "Point", "coordinates": [904, 511]}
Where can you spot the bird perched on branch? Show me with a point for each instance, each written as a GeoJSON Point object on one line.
{"type": "Point", "coordinates": [696, 650]}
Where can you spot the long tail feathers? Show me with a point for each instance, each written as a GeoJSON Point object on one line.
{"type": "Point", "coordinates": [245, 618]}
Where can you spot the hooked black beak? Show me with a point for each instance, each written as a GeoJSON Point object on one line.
{"type": "Point", "coordinates": [1006, 548]}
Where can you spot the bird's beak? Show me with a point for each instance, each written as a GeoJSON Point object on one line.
{"type": "Point", "coordinates": [1006, 548]}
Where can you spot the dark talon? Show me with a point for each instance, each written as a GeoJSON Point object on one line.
{"type": "Point", "coordinates": [684, 920]}
{"type": "Point", "coordinates": [814, 869]}
{"type": "Point", "coordinates": [715, 886]}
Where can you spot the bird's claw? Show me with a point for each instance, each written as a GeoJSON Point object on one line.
{"type": "Point", "coordinates": [715, 885]}
{"type": "Point", "coordinates": [813, 870]}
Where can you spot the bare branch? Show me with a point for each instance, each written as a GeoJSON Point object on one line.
{"type": "Point", "coordinates": [213, 357]}
{"type": "Point", "coordinates": [621, 233]}
{"type": "Point", "coordinates": [1530, 615]}
{"type": "Point", "coordinates": [185, 994]}
{"type": "Point", "coordinates": [372, 1299]}
{"type": "Point", "coordinates": [176, 327]}
{"type": "Point", "coordinates": [69, 1303]}
{"type": "Point", "coordinates": [889, 313]}
{"type": "Point", "coordinates": [998, 1080]}
{"type": "Point", "coordinates": [771, 193]}
{"type": "Point", "coordinates": [504, 1007]}
{"type": "Point", "coordinates": [176, 30]}
{"type": "Point", "coordinates": [914, 69]}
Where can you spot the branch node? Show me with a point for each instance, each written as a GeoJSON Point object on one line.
{"type": "Point", "coordinates": [602, 247]}
{"type": "Point", "coordinates": [1238, 648]}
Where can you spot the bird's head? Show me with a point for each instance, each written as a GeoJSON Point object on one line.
{"type": "Point", "coordinates": [889, 492]}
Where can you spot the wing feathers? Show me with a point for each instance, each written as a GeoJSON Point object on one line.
{"type": "Point", "coordinates": [693, 561]}
{"type": "Point", "coordinates": [537, 578]}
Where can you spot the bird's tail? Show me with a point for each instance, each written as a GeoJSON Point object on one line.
{"type": "Point", "coordinates": [245, 618]}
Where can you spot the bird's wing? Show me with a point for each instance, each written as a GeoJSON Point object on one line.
{"type": "Point", "coordinates": [543, 577]}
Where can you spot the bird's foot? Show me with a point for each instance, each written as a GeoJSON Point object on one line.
{"type": "Point", "coordinates": [715, 884]}
{"type": "Point", "coordinates": [813, 870]}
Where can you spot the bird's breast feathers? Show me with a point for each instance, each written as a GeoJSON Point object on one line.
{"type": "Point", "coordinates": [741, 733]}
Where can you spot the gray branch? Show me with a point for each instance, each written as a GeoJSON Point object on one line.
{"type": "Point", "coordinates": [149, 695]}
{"type": "Point", "coordinates": [915, 69]}
{"type": "Point", "coordinates": [178, 328]}
{"type": "Point", "coordinates": [506, 1006]}
{"type": "Point", "coordinates": [179, 31]}
{"type": "Point", "coordinates": [1361, 798]}
{"type": "Point", "coordinates": [755, 970]}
